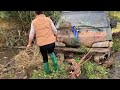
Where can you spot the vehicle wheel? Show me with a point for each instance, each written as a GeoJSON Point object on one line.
{"type": "Point", "coordinates": [101, 58]}
{"type": "Point", "coordinates": [110, 61]}
{"type": "Point", "coordinates": [97, 59]}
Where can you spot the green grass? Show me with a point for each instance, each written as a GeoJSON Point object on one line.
{"type": "Point", "coordinates": [89, 70]}
{"type": "Point", "coordinates": [61, 74]}
{"type": "Point", "coordinates": [94, 71]}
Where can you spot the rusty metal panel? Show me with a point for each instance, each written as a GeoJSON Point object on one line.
{"type": "Point", "coordinates": [109, 33]}
{"type": "Point", "coordinates": [86, 37]}
{"type": "Point", "coordinates": [90, 37]}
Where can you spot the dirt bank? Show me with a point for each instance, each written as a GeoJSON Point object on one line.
{"type": "Point", "coordinates": [115, 70]}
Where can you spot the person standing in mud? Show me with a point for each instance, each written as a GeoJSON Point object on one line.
{"type": "Point", "coordinates": [46, 35]}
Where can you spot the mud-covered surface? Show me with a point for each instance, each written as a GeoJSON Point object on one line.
{"type": "Point", "coordinates": [115, 70]}
{"type": "Point", "coordinates": [7, 54]}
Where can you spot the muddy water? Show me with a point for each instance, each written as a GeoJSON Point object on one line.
{"type": "Point", "coordinates": [7, 54]}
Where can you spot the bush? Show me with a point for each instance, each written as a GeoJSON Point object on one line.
{"type": "Point", "coordinates": [115, 15]}
{"type": "Point", "coordinates": [23, 19]}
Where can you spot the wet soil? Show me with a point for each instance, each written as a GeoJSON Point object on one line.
{"type": "Point", "coordinates": [7, 54]}
{"type": "Point", "coordinates": [115, 70]}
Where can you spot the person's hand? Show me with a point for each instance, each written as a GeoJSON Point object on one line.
{"type": "Point", "coordinates": [28, 45]}
{"type": "Point", "coordinates": [59, 38]}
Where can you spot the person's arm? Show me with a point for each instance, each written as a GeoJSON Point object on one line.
{"type": "Point", "coordinates": [53, 28]}
{"type": "Point", "coordinates": [31, 35]}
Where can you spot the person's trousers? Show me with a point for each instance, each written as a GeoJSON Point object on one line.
{"type": "Point", "coordinates": [45, 50]}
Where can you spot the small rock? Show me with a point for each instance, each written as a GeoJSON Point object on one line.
{"type": "Point", "coordinates": [5, 57]}
{"type": "Point", "coordinates": [25, 77]}
{"type": "Point", "coordinates": [4, 70]}
{"type": "Point", "coordinates": [119, 66]}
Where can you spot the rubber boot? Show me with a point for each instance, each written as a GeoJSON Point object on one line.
{"type": "Point", "coordinates": [46, 68]}
{"type": "Point", "coordinates": [54, 60]}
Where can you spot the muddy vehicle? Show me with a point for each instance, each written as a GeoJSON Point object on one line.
{"type": "Point", "coordinates": [92, 29]}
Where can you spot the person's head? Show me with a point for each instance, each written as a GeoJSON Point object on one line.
{"type": "Point", "coordinates": [38, 12]}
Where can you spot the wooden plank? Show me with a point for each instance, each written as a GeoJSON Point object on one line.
{"type": "Point", "coordinates": [66, 49]}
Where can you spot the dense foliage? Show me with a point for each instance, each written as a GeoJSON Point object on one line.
{"type": "Point", "coordinates": [115, 14]}
{"type": "Point", "coordinates": [23, 19]}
